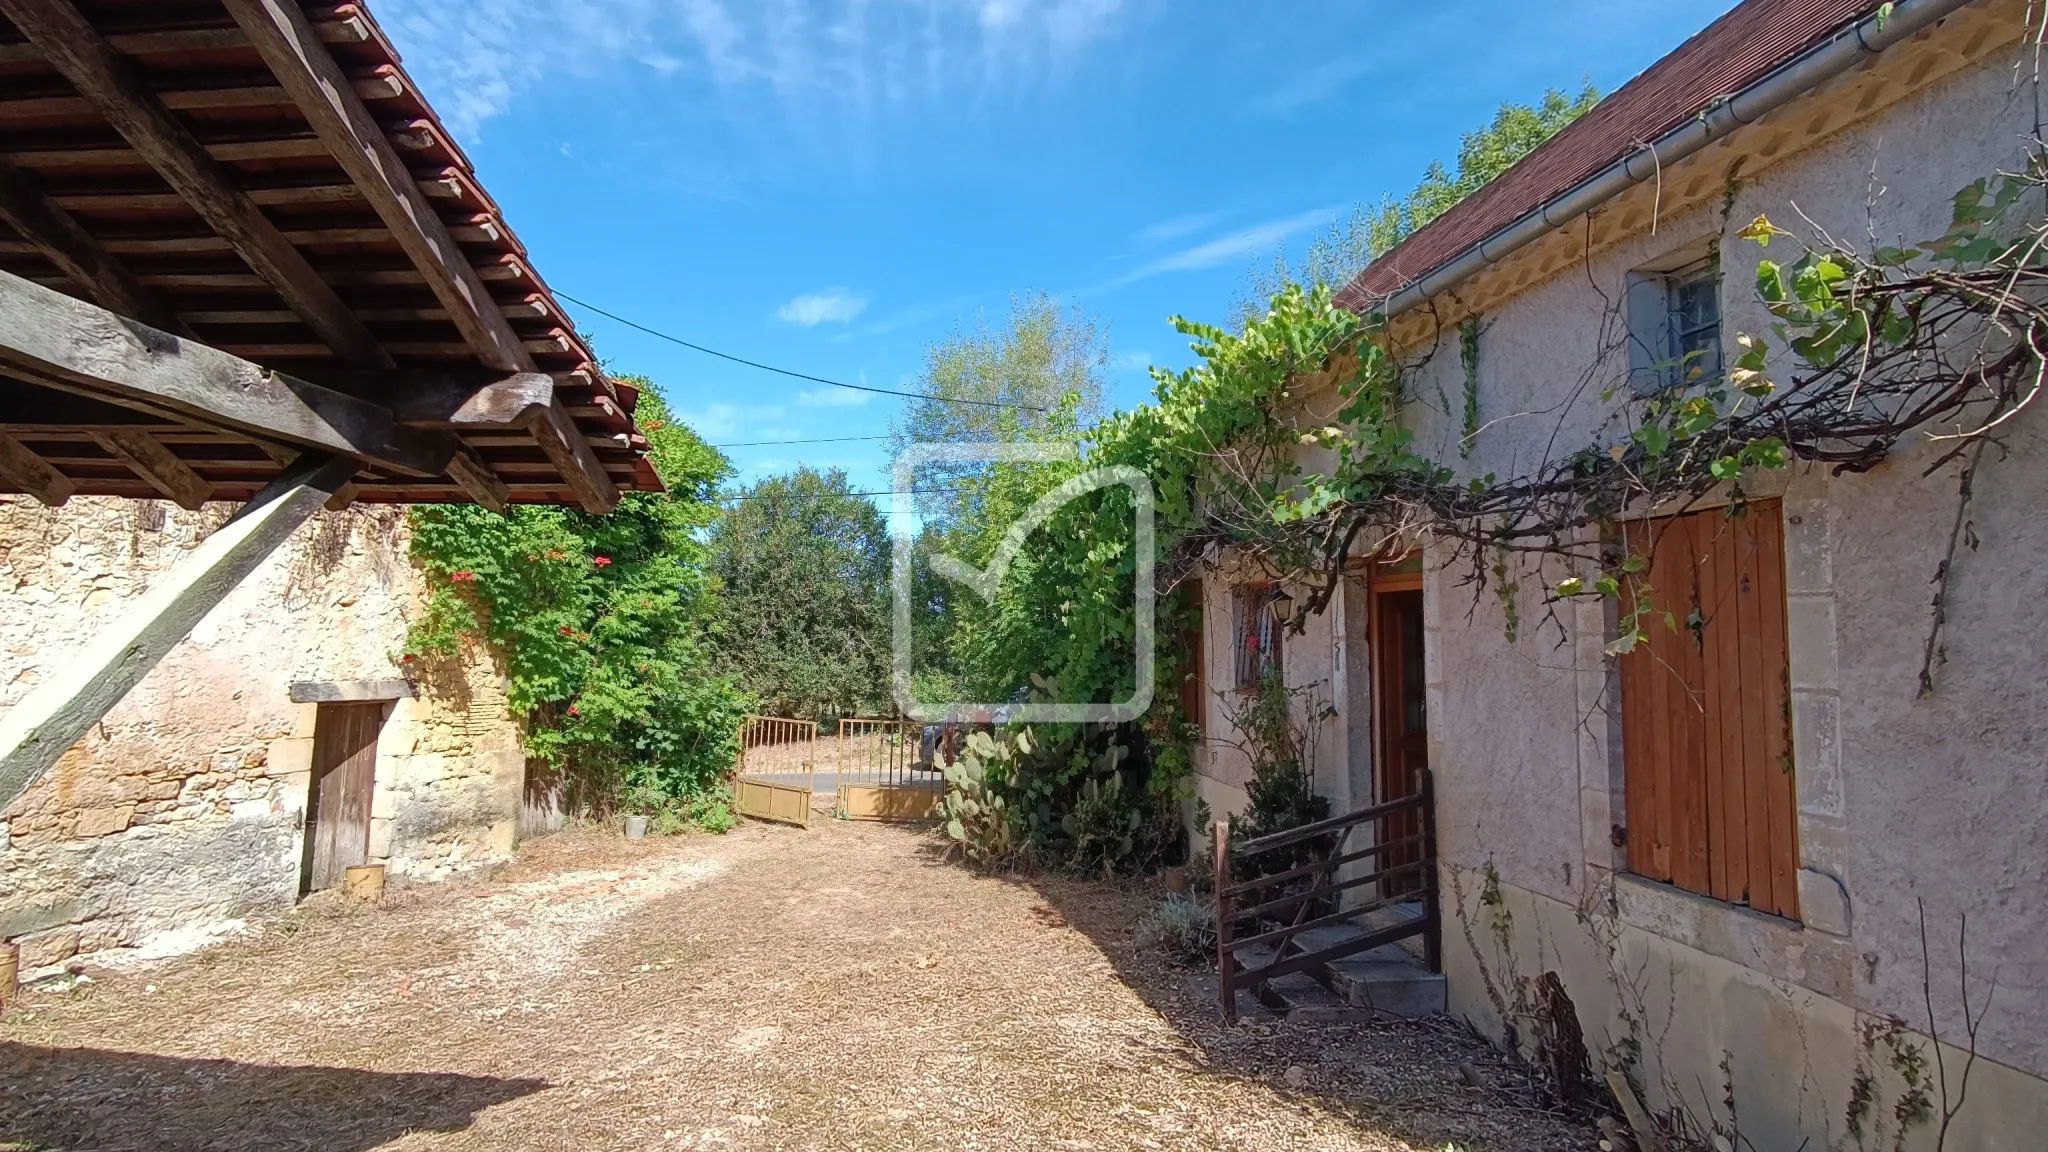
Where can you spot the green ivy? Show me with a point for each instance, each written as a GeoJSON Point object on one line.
{"type": "Point", "coordinates": [601, 623]}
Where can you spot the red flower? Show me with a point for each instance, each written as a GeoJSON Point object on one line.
{"type": "Point", "coordinates": [464, 574]}
{"type": "Point", "coordinates": [601, 561]}
{"type": "Point", "coordinates": [405, 657]}
{"type": "Point", "coordinates": [565, 630]}
{"type": "Point", "coordinates": [573, 711]}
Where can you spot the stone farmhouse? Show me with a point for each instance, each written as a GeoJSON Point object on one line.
{"type": "Point", "coordinates": [1732, 896]}
{"type": "Point", "coordinates": [252, 301]}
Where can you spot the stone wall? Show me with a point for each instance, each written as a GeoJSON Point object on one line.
{"type": "Point", "coordinates": [179, 816]}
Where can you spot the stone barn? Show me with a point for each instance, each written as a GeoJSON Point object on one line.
{"type": "Point", "coordinates": [253, 301]}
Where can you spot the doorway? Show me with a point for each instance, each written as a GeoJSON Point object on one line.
{"type": "Point", "coordinates": [338, 800]}
{"type": "Point", "coordinates": [1400, 692]}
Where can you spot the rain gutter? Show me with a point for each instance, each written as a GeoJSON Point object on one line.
{"type": "Point", "coordinates": [1796, 76]}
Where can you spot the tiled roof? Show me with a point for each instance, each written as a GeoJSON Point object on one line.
{"type": "Point", "coordinates": [1727, 56]}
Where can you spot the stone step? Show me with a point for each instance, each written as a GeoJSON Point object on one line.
{"type": "Point", "coordinates": [1388, 979]}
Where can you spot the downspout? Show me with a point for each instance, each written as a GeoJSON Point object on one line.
{"type": "Point", "coordinates": [1867, 37]}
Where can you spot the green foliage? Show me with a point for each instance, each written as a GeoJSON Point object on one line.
{"type": "Point", "coordinates": [1182, 924]}
{"type": "Point", "coordinates": [803, 568]}
{"type": "Point", "coordinates": [1281, 793]}
{"type": "Point", "coordinates": [975, 814]}
{"type": "Point", "coordinates": [1058, 796]}
{"type": "Point", "coordinates": [601, 621]}
{"type": "Point", "coordinates": [1037, 377]}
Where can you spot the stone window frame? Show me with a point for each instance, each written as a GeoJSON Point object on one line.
{"type": "Point", "coordinates": [1731, 932]}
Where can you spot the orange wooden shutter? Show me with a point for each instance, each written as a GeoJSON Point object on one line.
{"type": "Point", "coordinates": [1706, 712]}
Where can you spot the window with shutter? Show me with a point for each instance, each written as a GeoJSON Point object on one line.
{"type": "Point", "coordinates": [1706, 712]}
{"type": "Point", "coordinates": [1254, 633]}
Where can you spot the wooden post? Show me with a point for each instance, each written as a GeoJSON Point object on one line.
{"type": "Point", "coordinates": [39, 729]}
{"type": "Point", "coordinates": [1432, 902]}
{"type": "Point", "coordinates": [1226, 991]}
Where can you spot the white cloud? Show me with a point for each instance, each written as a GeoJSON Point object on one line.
{"type": "Point", "coordinates": [833, 305]}
{"type": "Point", "coordinates": [844, 57]}
{"type": "Point", "coordinates": [1313, 86]}
{"type": "Point", "coordinates": [1234, 246]}
{"type": "Point", "coordinates": [1175, 227]}
{"type": "Point", "coordinates": [719, 421]}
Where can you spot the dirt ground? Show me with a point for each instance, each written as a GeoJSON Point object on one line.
{"type": "Point", "coordinates": [839, 988]}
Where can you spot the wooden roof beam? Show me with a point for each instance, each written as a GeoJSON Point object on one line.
{"type": "Point", "coordinates": [289, 43]}
{"type": "Point", "coordinates": [77, 254]}
{"type": "Point", "coordinates": [148, 458]}
{"type": "Point", "coordinates": [60, 341]}
{"type": "Point", "coordinates": [33, 474]}
{"type": "Point", "coordinates": [69, 42]}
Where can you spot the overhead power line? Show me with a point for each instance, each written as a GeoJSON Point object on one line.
{"type": "Point", "coordinates": [826, 440]}
{"type": "Point", "coordinates": [787, 372]}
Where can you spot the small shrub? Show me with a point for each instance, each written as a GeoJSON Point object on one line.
{"type": "Point", "coordinates": [1181, 924]}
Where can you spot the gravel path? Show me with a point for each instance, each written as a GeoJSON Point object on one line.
{"type": "Point", "coordinates": [773, 988]}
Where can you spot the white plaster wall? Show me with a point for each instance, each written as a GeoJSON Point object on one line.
{"type": "Point", "coordinates": [1901, 799]}
{"type": "Point", "coordinates": [1314, 664]}
{"type": "Point", "coordinates": [180, 814]}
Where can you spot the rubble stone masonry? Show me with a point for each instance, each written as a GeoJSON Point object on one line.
{"type": "Point", "coordinates": [180, 815]}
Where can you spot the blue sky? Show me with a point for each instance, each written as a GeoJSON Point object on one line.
{"type": "Point", "coordinates": [830, 185]}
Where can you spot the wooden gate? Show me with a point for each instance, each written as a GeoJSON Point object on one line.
{"type": "Point", "coordinates": [881, 773]}
{"type": "Point", "coordinates": [777, 767]}
{"type": "Point", "coordinates": [338, 801]}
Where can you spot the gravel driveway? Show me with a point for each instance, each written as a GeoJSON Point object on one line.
{"type": "Point", "coordinates": [773, 988]}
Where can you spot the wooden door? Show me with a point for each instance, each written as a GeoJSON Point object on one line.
{"type": "Point", "coordinates": [338, 807]}
{"type": "Point", "coordinates": [1401, 696]}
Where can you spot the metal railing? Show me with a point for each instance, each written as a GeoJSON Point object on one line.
{"type": "Point", "coordinates": [1272, 911]}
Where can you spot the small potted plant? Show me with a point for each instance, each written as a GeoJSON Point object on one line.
{"type": "Point", "coordinates": [641, 803]}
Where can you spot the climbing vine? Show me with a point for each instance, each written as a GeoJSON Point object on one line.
{"type": "Point", "coordinates": [1468, 359]}
{"type": "Point", "coordinates": [601, 622]}
{"type": "Point", "coordinates": [1942, 341]}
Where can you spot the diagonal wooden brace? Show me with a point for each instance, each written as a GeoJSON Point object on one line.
{"type": "Point", "coordinates": [38, 730]}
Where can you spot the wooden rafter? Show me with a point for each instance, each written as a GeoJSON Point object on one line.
{"type": "Point", "coordinates": [292, 47]}
{"type": "Point", "coordinates": [148, 458]}
{"type": "Point", "coordinates": [33, 474]}
{"type": "Point", "coordinates": [64, 37]}
{"type": "Point", "coordinates": [76, 253]}
{"type": "Point", "coordinates": [53, 339]}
